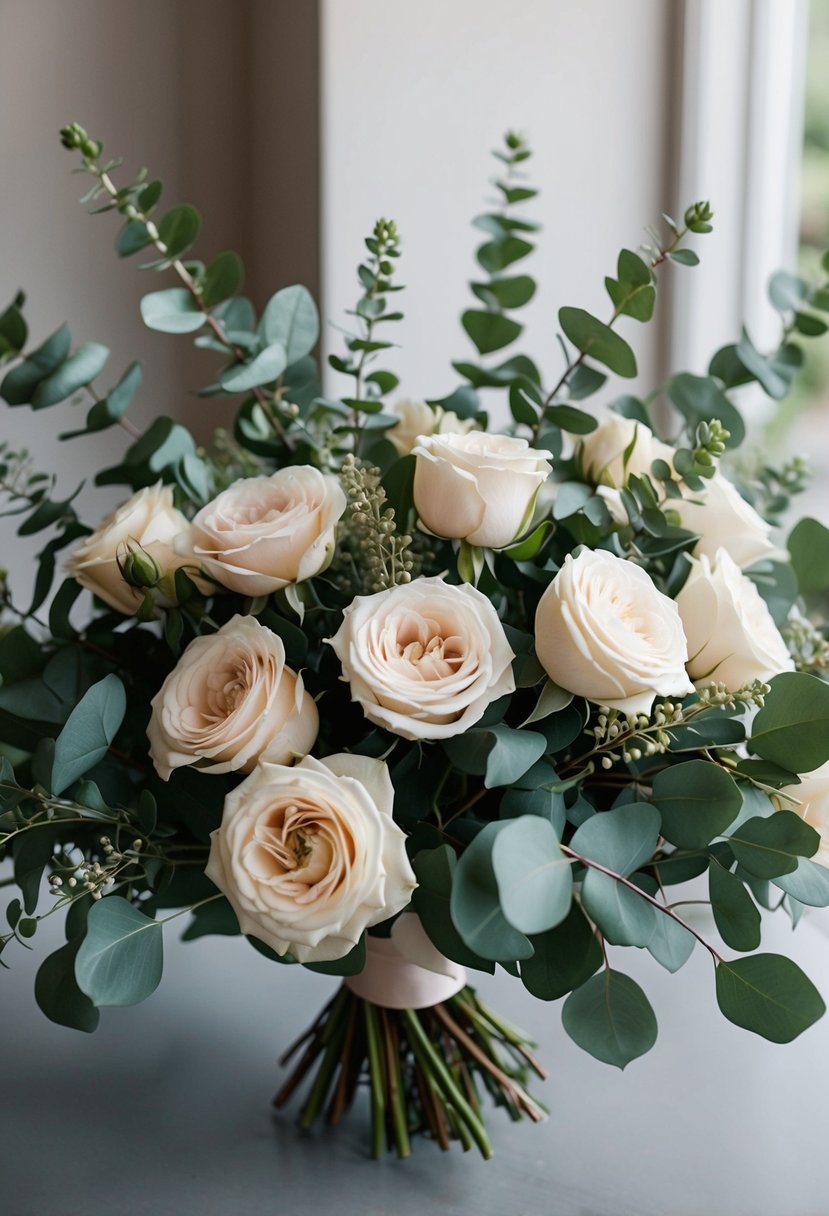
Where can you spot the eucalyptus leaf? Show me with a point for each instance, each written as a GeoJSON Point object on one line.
{"type": "Point", "coordinates": [769, 995]}
{"type": "Point", "coordinates": [611, 1018]}
{"type": "Point", "coordinates": [122, 956]}
{"type": "Point", "coordinates": [88, 732]}
{"type": "Point", "coordinates": [535, 879]}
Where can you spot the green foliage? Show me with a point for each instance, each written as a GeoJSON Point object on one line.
{"type": "Point", "coordinates": [611, 1018]}
{"type": "Point", "coordinates": [534, 878]}
{"type": "Point", "coordinates": [768, 847]}
{"type": "Point", "coordinates": [735, 913]}
{"type": "Point", "coordinates": [435, 869]}
{"type": "Point", "coordinates": [57, 992]}
{"type": "Point", "coordinates": [808, 546]}
{"type": "Point", "coordinates": [769, 995]}
{"type": "Point", "coordinates": [475, 905]}
{"type": "Point", "coordinates": [593, 338]}
{"type": "Point", "coordinates": [89, 730]}
{"type": "Point", "coordinates": [121, 958]}
{"type": "Point", "coordinates": [792, 729]}
{"type": "Point", "coordinates": [697, 801]}
{"type": "Point", "coordinates": [565, 957]}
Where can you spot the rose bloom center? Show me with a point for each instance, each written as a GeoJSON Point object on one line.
{"type": "Point", "coordinates": [423, 648]}
{"type": "Point", "coordinates": [299, 849]}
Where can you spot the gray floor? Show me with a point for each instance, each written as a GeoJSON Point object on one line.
{"type": "Point", "coordinates": [165, 1110]}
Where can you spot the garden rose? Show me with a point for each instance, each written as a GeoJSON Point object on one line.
{"type": "Point", "coordinates": [732, 638]}
{"type": "Point", "coordinates": [228, 699]}
{"type": "Point", "coordinates": [424, 660]}
{"type": "Point", "coordinates": [417, 418]}
{"type": "Point", "coordinates": [603, 631]}
{"type": "Point", "coordinates": [477, 487]}
{"type": "Point", "coordinates": [724, 520]}
{"type": "Point", "coordinates": [310, 856]}
{"type": "Point", "coordinates": [262, 533]}
{"type": "Point", "coordinates": [148, 521]}
{"type": "Point", "coordinates": [812, 804]}
{"type": "Point", "coordinates": [602, 452]}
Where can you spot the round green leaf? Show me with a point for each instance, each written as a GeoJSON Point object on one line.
{"type": "Point", "coordinates": [89, 730]}
{"type": "Point", "coordinates": [20, 383]}
{"type": "Point", "coordinates": [535, 879]}
{"type": "Point", "coordinates": [121, 958]}
{"type": "Point", "coordinates": [222, 279]}
{"type": "Point", "coordinates": [475, 906]}
{"type": "Point", "coordinates": [770, 846]}
{"type": "Point", "coordinates": [622, 839]}
{"type": "Point", "coordinates": [79, 369]}
{"type": "Point", "coordinates": [736, 915]}
{"type": "Point", "coordinates": [266, 367]}
{"type": "Point", "coordinates": [792, 728]}
{"type": "Point", "coordinates": [490, 331]}
{"type": "Point", "coordinates": [611, 1018]}
{"type": "Point", "coordinates": [57, 992]}
{"type": "Point", "coordinates": [808, 546]}
{"type": "Point", "coordinates": [172, 311]}
{"type": "Point", "coordinates": [809, 883]}
{"type": "Point", "coordinates": [697, 801]}
{"type": "Point", "coordinates": [769, 995]}
{"type": "Point", "coordinates": [434, 869]}
{"type": "Point", "coordinates": [179, 229]}
{"type": "Point", "coordinates": [565, 957]}
{"type": "Point", "coordinates": [291, 317]}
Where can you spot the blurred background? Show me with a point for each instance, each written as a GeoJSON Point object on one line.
{"type": "Point", "coordinates": [293, 124]}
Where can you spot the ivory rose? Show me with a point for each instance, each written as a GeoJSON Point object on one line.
{"type": "Point", "coordinates": [424, 660]}
{"type": "Point", "coordinates": [310, 856]}
{"type": "Point", "coordinates": [724, 520]}
{"type": "Point", "coordinates": [477, 487]}
{"type": "Point", "coordinates": [602, 452]}
{"type": "Point", "coordinates": [732, 638]}
{"type": "Point", "coordinates": [812, 805]}
{"type": "Point", "coordinates": [604, 631]}
{"type": "Point", "coordinates": [262, 533]}
{"type": "Point", "coordinates": [148, 521]}
{"type": "Point", "coordinates": [228, 699]}
{"type": "Point", "coordinates": [417, 418]}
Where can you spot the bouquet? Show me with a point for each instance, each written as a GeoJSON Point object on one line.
{"type": "Point", "coordinates": [400, 696]}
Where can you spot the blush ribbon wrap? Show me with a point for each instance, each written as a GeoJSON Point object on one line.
{"type": "Point", "coordinates": [405, 971]}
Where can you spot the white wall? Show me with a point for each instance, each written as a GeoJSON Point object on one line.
{"type": "Point", "coordinates": [414, 98]}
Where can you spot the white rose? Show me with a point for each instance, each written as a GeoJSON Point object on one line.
{"type": "Point", "coordinates": [477, 487]}
{"type": "Point", "coordinates": [262, 533]}
{"type": "Point", "coordinates": [732, 638]}
{"type": "Point", "coordinates": [148, 521]}
{"type": "Point", "coordinates": [417, 418]}
{"type": "Point", "coordinates": [724, 520]}
{"type": "Point", "coordinates": [310, 856]}
{"type": "Point", "coordinates": [228, 699]}
{"type": "Point", "coordinates": [602, 452]}
{"type": "Point", "coordinates": [812, 804]}
{"type": "Point", "coordinates": [603, 631]}
{"type": "Point", "coordinates": [426, 659]}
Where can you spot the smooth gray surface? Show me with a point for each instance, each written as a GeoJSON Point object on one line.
{"type": "Point", "coordinates": [165, 1110]}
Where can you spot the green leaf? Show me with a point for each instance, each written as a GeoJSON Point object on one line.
{"type": "Point", "coordinates": [531, 545]}
{"type": "Point", "coordinates": [808, 546]}
{"type": "Point", "coordinates": [172, 311]}
{"type": "Point", "coordinates": [266, 367]}
{"type": "Point", "coordinates": [20, 383]}
{"type": "Point", "coordinates": [512, 292]}
{"type": "Point", "coordinates": [632, 300]}
{"type": "Point", "coordinates": [435, 869]}
{"type": "Point", "coordinates": [179, 229]}
{"type": "Point", "coordinates": [592, 337]}
{"type": "Point", "coordinates": [735, 913]}
{"type": "Point", "coordinates": [290, 317]}
{"type": "Point", "coordinates": [500, 753]}
{"type": "Point", "coordinates": [684, 257]}
{"type": "Point", "coordinates": [475, 905]}
{"type": "Point", "coordinates": [575, 422]}
{"type": "Point", "coordinates": [769, 995]}
{"type": "Point", "coordinates": [787, 291]}
{"type": "Point", "coordinates": [490, 330]}
{"type": "Point", "coordinates": [121, 958]}
{"type": "Point", "coordinates": [792, 728]}
{"type": "Point", "coordinates": [809, 883]}
{"type": "Point", "coordinates": [670, 944]}
{"type": "Point", "coordinates": [697, 800]}
{"type": "Point", "coordinates": [79, 369]}
{"type": "Point", "coordinates": [222, 279]}
{"type": "Point", "coordinates": [774, 379]}
{"type": "Point", "coordinates": [89, 730]}
{"type": "Point", "coordinates": [551, 700]}
{"type": "Point", "coordinates": [57, 992]}
{"type": "Point", "coordinates": [535, 879]}
{"type": "Point", "coordinates": [131, 238]}
{"type": "Point", "coordinates": [772, 846]}
{"type": "Point", "coordinates": [621, 840]}
{"type": "Point", "coordinates": [625, 918]}
{"type": "Point", "coordinates": [611, 1018]}
{"type": "Point", "coordinates": [564, 959]}
{"type": "Point", "coordinates": [215, 917]}
{"type": "Point", "coordinates": [495, 256]}
{"type": "Point", "coordinates": [700, 398]}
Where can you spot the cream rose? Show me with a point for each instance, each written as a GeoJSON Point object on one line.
{"type": "Point", "coordinates": [424, 660]}
{"type": "Point", "coordinates": [148, 521]}
{"type": "Point", "coordinates": [732, 638]}
{"type": "Point", "coordinates": [477, 487]}
{"type": "Point", "coordinates": [812, 804]}
{"type": "Point", "coordinates": [230, 698]}
{"type": "Point", "coordinates": [724, 520]}
{"type": "Point", "coordinates": [603, 631]}
{"type": "Point", "coordinates": [417, 418]}
{"type": "Point", "coordinates": [310, 856]}
{"type": "Point", "coordinates": [263, 533]}
{"type": "Point", "coordinates": [602, 452]}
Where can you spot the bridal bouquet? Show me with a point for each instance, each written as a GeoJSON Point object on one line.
{"type": "Point", "coordinates": [398, 695]}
